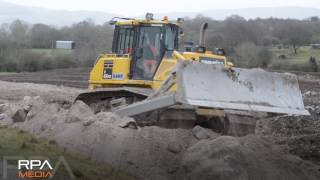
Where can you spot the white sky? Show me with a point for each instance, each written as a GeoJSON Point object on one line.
{"type": "Point", "coordinates": [139, 7]}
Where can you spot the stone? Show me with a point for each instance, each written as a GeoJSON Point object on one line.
{"type": "Point", "coordinates": [79, 111]}
{"type": "Point", "coordinates": [174, 148]}
{"type": "Point", "coordinates": [2, 116]}
{"type": "Point", "coordinates": [20, 115]}
{"type": "Point", "coordinates": [88, 122]}
{"type": "Point", "coordinates": [203, 133]}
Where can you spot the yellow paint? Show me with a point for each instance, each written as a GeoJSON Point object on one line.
{"type": "Point", "coordinates": [121, 65]}
{"type": "Point", "coordinates": [163, 72]}
{"type": "Point", "coordinates": [196, 56]}
{"type": "Point", "coordinates": [210, 112]}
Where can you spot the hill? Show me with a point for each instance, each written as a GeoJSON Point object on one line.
{"type": "Point", "coordinates": [10, 12]}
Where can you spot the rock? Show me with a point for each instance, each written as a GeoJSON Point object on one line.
{"type": "Point", "coordinates": [114, 119]}
{"type": "Point", "coordinates": [128, 123]}
{"type": "Point", "coordinates": [20, 115]}
{"type": "Point", "coordinates": [28, 102]}
{"type": "Point", "coordinates": [4, 108]}
{"type": "Point", "coordinates": [310, 108]}
{"type": "Point", "coordinates": [27, 99]}
{"type": "Point", "coordinates": [203, 133]}
{"type": "Point", "coordinates": [310, 93]}
{"type": "Point", "coordinates": [27, 108]}
{"type": "Point", "coordinates": [88, 122]}
{"type": "Point", "coordinates": [67, 105]}
{"type": "Point", "coordinates": [2, 116]}
{"type": "Point", "coordinates": [174, 147]}
{"type": "Point", "coordinates": [79, 112]}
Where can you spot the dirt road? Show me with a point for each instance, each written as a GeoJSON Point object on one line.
{"type": "Point", "coordinates": [73, 77]}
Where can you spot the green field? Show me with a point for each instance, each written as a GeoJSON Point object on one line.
{"type": "Point", "coordinates": [292, 61]}
{"type": "Point", "coordinates": [19, 143]}
{"type": "Point", "coordinates": [53, 52]}
{"type": "Point", "coordinates": [7, 73]}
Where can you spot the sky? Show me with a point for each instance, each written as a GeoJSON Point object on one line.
{"type": "Point", "coordinates": [139, 7]}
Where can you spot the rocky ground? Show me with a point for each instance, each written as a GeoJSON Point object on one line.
{"type": "Point", "coordinates": [282, 148]}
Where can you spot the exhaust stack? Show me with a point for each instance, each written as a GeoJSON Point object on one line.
{"type": "Point", "coordinates": [203, 29]}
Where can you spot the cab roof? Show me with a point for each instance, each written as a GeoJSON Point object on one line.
{"type": "Point", "coordinates": [121, 21]}
{"type": "Point", "coordinates": [144, 21]}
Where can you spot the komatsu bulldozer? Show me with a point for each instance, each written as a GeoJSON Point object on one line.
{"type": "Point", "coordinates": [148, 78]}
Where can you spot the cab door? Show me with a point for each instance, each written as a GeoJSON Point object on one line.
{"type": "Point", "coordinates": [148, 52]}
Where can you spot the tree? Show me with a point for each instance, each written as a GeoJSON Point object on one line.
{"type": "Point", "coordinates": [314, 64]}
{"type": "Point", "coordinates": [19, 32]}
{"type": "Point", "coordinates": [314, 19]}
{"type": "Point", "coordinates": [293, 33]}
{"type": "Point", "coordinates": [43, 36]}
{"type": "Point", "coordinates": [250, 55]}
{"type": "Point", "coordinates": [264, 57]}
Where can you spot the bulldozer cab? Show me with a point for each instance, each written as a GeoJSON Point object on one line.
{"type": "Point", "coordinates": [147, 44]}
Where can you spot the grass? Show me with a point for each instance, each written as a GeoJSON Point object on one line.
{"type": "Point", "coordinates": [6, 73]}
{"type": "Point", "coordinates": [299, 61]}
{"type": "Point", "coordinates": [53, 52]}
{"type": "Point", "coordinates": [15, 142]}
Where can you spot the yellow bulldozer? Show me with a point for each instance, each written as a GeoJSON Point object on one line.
{"type": "Point", "coordinates": [148, 78]}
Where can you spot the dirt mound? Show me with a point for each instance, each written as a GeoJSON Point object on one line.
{"type": "Point", "coordinates": [231, 158]}
{"type": "Point", "coordinates": [147, 152]}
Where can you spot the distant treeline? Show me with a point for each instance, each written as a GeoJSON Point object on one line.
{"type": "Point", "coordinates": [18, 38]}
{"type": "Point", "coordinates": [245, 41]}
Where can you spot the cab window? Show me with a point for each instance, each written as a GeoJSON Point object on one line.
{"type": "Point", "coordinates": [123, 41]}
{"type": "Point", "coordinates": [171, 38]}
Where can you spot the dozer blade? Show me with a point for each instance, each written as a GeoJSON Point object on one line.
{"type": "Point", "coordinates": [217, 87]}
{"type": "Point", "coordinates": [239, 89]}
